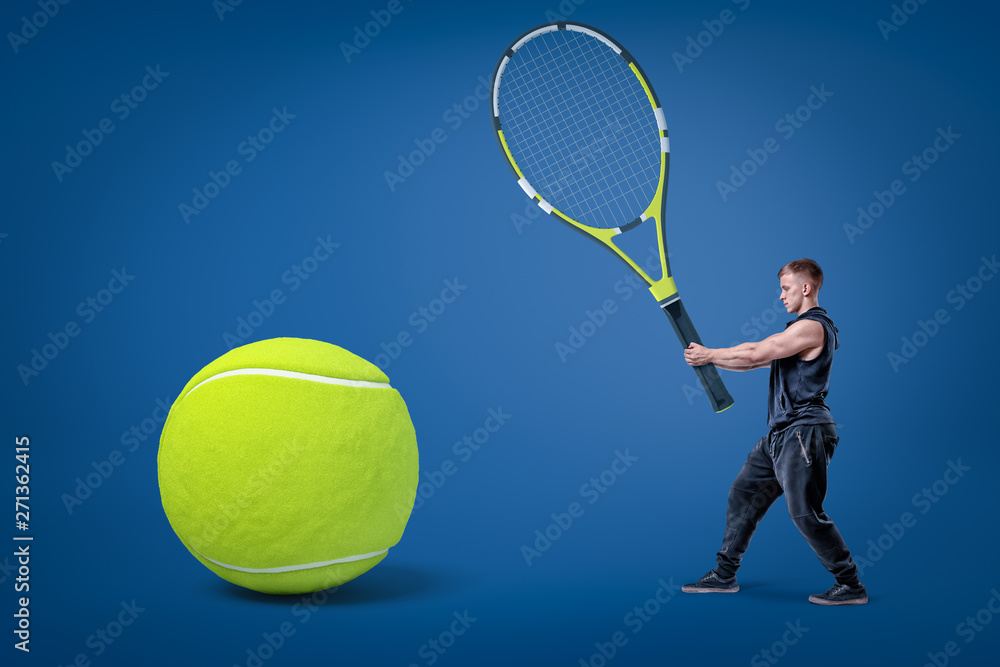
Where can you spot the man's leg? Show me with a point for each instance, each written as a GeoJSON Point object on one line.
{"type": "Point", "coordinates": [753, 491]}
{"type": "Point", "coordinates": [802, 455]}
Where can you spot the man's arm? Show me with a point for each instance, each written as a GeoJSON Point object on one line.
{"type": "Point", "coordinates": [765, 364]}
{"type": "Point", "coordinates": [801, 336]}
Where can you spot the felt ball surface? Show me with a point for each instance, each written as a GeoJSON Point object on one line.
{"type": "Point", "coordinates": [288, 466]}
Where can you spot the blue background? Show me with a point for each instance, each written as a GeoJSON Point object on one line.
{"type": "Point", "coordinates": [528, 281]}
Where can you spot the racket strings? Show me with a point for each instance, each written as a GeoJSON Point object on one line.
{"type": "Point", "coordinates": [580, 127]}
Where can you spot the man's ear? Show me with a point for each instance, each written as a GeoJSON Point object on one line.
{"type": "Point", "coordinates": [807, 289]}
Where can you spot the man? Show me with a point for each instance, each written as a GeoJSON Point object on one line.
{"type": "Point", "coordinates": [793, 457]}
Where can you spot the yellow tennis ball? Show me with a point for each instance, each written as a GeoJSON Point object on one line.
{"type": "Point", "coordinates": [288, 466]}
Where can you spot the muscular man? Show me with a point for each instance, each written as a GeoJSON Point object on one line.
{"type": "Point", "coordinates": [793, 457]}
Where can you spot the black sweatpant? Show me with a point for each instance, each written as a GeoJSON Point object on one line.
{"type": "Point", "coordinates": [792, 461]}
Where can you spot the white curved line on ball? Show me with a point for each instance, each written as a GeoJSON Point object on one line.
{"type": "Point", "coordinates": [297, 376]}
{"type": "Point", "coordinates": [291, 568]}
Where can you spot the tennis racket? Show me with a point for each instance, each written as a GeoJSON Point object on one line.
{"type": "Point", "coordinates": [585, 135]}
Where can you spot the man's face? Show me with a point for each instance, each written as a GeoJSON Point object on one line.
{"type": "Point", "coordinates": [791, 291]}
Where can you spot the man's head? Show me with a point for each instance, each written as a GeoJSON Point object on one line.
{"type": "Point", "coordinates": [800, 282]}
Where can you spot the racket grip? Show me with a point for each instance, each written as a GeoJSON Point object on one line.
{"type": "Point", "coordinates": [708, 374]}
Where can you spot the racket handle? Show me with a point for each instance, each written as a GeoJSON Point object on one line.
{"type": "Point", "coordinates": [707, 374]}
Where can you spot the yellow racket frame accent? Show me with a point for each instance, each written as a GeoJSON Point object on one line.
{"type": "Point", "coordinates": [506, 149]}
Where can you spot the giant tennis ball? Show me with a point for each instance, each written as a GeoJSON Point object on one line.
{"type": "Point", "coordinates": [288, 466]}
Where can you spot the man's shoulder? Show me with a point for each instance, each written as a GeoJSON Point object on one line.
{"type": "Point", "coordinates": [817, 314]}
{"type": "Point", "coordinates": [808, 326]}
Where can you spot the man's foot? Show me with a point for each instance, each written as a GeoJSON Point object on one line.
{"type": "Point", "coordinates": [712, 583]}
{"type": "Point", "coordinates": [842, 594]}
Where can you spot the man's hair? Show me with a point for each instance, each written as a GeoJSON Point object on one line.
{"type": "Point", "coordinates": [807, 268]}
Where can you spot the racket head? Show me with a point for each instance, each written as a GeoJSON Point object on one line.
{"type": "Point", "coordinates": [583, 130]}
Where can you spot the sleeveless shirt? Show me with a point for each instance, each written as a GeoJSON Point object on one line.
{"type": "Point", "coordinates": [798, 388]}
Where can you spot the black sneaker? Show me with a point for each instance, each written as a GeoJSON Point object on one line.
{"type": "Point", "coordinates": [712, 583]}
{"type": "Point", "coordinates": [842, 594]}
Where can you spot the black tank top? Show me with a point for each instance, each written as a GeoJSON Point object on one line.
{"type": "Point", "coordinates": [798, 388]}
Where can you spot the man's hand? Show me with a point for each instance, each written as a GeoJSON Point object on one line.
{"type": "Point", "coordinates": [697, 355]}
